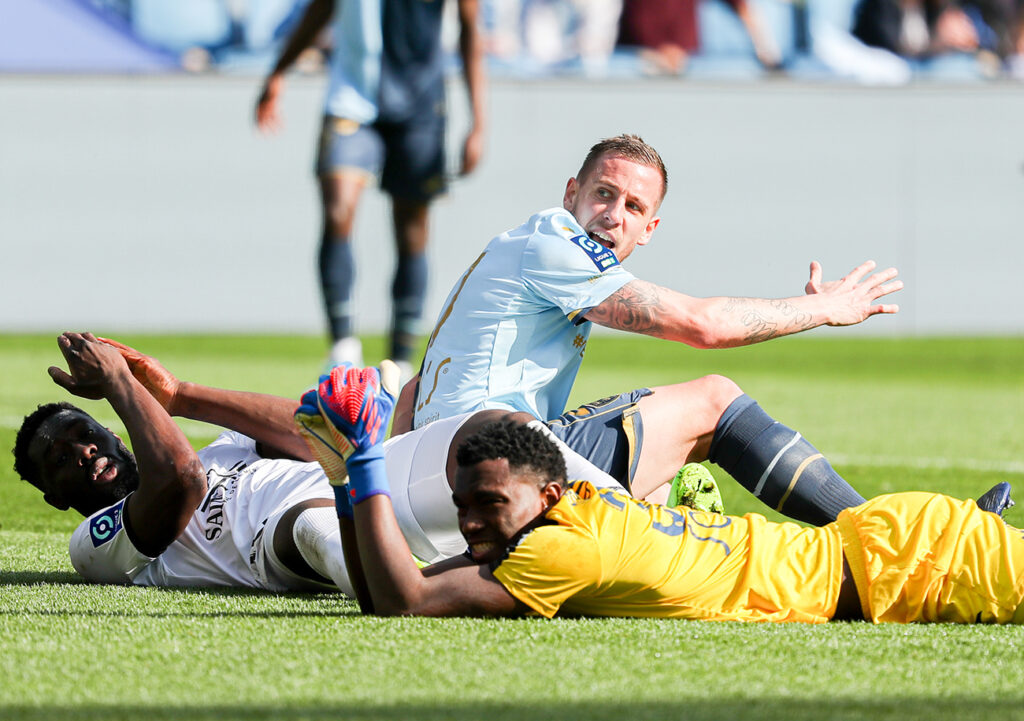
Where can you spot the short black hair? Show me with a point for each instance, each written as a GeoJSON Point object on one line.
{"type": "Point", "coordinates": [23, 465]}
{"type": "Point", "coordinates": [523, 447]}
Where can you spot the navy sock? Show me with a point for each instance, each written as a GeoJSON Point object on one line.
{"type": "Point", "coordinates": [337, 280]}
{"type": "Point", "coordinates": [778, 465]}
{"type": "Point", "coordinates": [408, 293]}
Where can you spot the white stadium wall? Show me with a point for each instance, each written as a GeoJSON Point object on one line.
{"type": "Point", "coordinates": [151, 204]}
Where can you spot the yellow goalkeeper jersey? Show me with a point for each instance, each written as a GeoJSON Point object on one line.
{"type": "Point", "coordinates": [603, 553]}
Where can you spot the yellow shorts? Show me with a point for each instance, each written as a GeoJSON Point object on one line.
{"type": "Point", "coordinates": [927, 557]}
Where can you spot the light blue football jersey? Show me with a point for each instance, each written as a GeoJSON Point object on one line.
{"type": "Point", "coordinates": [512, 332]}
{"type": "Point", "coordinates": [355, 67]}
{"type": "Point", "coordinates": [388, 62]}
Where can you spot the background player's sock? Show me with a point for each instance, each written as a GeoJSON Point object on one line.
{"type": "Point", "coordinates": [337, 280]}
{"type": "Point", "coordinates": [778, 465]}
{"type": "Point", "coordinates": [408, 293]}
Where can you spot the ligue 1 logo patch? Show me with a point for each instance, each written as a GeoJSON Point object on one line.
{"type": "Point", "coordinates": [106, 525]}
{"type": "Point", "coordinates": [602, 257]}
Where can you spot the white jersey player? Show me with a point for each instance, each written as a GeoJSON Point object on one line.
{"type": "Point", "coordinates": [260, 521]}
{"type": "Point", "coordinates": [229, 541]}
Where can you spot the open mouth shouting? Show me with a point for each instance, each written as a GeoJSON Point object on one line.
{"type": "Point", "coordinates": [600, 237]}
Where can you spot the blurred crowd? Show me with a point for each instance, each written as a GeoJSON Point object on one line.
{"type": "Point", "coordinates": [871, 41]}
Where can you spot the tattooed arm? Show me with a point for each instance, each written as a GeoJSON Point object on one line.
{"type": "Point", "coordinates": [643, 307]}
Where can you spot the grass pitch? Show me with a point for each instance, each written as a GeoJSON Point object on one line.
{"type": "Point", "coordinates": [941, 414]}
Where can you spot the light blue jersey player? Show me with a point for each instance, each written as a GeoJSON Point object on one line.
{"type": "Point", "coordinates": [512, 333]}
{"type": "Point", "coordinates": [514, 329]}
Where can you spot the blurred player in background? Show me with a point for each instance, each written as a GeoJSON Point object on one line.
{"type": "Point", "coordinates": [513, 331]}
{"type": "Point", "coordinates": [384, 116]}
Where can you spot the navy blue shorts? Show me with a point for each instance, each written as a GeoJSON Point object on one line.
{"type": "Point", "coordinates": [407, 157]}
{"type": "Point", "coordinates": [609, 433]}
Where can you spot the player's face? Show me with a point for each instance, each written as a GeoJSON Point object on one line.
{"type": "Point", "coordinates": [82, 465]}
{"type": "Point", "coordinates": [616, 203]}
{"type": "Point", "coordinates": [495, 505]}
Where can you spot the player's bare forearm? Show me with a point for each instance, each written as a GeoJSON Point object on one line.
{"type": "Point", "coordinates": [316, 17]}
{"type": "Point", "coordinates": [404, 408]}
{"type": "Point", "coordinates": [265, 418]}
{"type": "Point", "coordinates": [641, 307]}
{"type": "Point", "coordinates": [398, 587]}
{"type": "Point", "coordinates": [727, 322]}
{"type": "Point", "coordinates": [761, 319]}
{"type": "Point", "coordinates": [171, 478]}
{"type": "Point", "coordinates": [392, 578]}
{"type": "Point", "coordinates": [354, 564]}
{"type": "Point", "coordinates": [473, 72]}
{"type": "Point", "coordinates": [172, 481]}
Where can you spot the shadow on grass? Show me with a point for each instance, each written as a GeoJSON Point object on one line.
{"type": "Point", "coordinates": [834, 709]}
{"type": "Point", "coordinates": [30, 578]}
{"type": "Point", "coordinates": [34, 578]}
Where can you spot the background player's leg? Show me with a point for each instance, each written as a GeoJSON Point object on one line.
{"type": "Point", "coordinates": [409, 288]}
{"type": "Point", "coordinates": [340, 194]}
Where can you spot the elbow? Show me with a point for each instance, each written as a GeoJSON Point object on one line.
{"type": "Point", "coordinates": [411, 603]}
{"type": "Point", "coordinates": [391, 609]}
{"type": "Point", "coordinates": [702, 335]}
{"type": "Point", "coordinates": [703, 341]}
{"type": "Point", "coordinates": [193, 480]}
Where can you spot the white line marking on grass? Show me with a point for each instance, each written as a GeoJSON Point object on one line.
{"type": "Point", "coordinates": [971, 464]}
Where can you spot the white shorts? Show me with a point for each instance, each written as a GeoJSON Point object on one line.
{"type": "Point", "coordinates": [422, 498]}
{"type": "Point", "coordinates": [271, 573]}
{"type": "Point", "coordinates": [420, 493]}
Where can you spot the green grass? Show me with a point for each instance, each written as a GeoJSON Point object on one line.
{"type": "Point", "coordinates": [940, 414]}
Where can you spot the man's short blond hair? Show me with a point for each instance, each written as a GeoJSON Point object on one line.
{"type": "Point", "coordinates": [631, 147]}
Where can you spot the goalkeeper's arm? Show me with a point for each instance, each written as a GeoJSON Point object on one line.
{"type": "Point", "coordinates": [358, 406]}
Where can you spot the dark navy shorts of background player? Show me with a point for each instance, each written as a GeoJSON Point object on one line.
{"type": "Point", "coordinates": [609, 433]}
{"type": "Point", "coordinates": [407, 157]}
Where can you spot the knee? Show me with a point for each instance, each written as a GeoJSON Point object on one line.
{"type": "Point", "coordinates": [339, 218]}
{"type": "Point", "coordinates": [717, 392]}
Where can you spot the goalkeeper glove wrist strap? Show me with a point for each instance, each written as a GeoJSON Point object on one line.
{"type": "Point", "coordinates": [367, 475]}
{"type": "Point", "coordinates": [342, 501]}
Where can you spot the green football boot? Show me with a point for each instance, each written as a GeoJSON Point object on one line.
{"type": "Point", "coordinates": [695, 487]}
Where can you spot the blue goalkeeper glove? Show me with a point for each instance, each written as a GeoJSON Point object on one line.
{"type": "Point", "coordinates": [314, 431]}
{"type": "Point", "coordinates": [357, 405]}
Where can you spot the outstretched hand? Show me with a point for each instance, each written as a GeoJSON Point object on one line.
{"type": "Point", "coordinates": [148, 371]}
{"type": "Point", "coordinates": [853, 295]}
{"type": "Point", "coordinates": [92, 365]}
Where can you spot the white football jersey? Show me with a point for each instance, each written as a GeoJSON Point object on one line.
{"type": "Point", "coordinates": [218, 546]}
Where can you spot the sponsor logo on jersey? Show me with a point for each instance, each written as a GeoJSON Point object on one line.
{"type": "Point", "coordinates": [106, 525]}
{"type": "Point", "coordinates": [601, 256]}
{"type": "Point", "coordinates": [222, 488]}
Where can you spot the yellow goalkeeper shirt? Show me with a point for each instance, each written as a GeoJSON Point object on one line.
{"type": "Point", "coordinates": [603, 553]}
